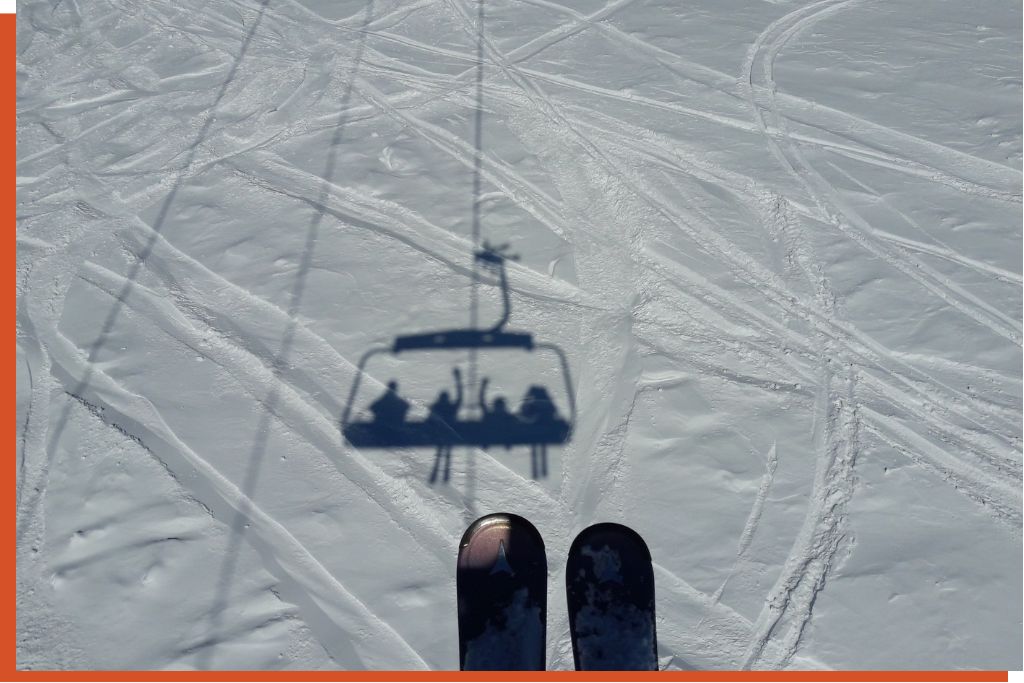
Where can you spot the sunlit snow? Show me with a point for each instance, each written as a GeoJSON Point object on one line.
{"type": "Point", "coordinates": [779, 243]}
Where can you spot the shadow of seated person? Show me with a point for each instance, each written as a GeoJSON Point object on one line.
{"type": "Point", "coordinates": [498, 425]}
{"type": "Point", "coordinates": [443, 424]}
{"type": "Point", "coordinates": [389, 413]}
{"type": "Point", "coordinates": [539, 414]}
{"type": "Point", "coordinates": [537, 409]}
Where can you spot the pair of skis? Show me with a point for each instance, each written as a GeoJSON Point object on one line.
{"type": "Point", "coordinates": [502, 598]}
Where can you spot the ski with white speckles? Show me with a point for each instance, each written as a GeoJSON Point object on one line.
{"type": "Point", "coordinates": [609, 583]}
{"type": "Point", "coordinates": [501, 580]}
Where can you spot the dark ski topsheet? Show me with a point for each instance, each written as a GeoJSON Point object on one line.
{"type": "Point", "coordinates": [502, 595]}
{"type": "Point", "coordinates": [610, 587]}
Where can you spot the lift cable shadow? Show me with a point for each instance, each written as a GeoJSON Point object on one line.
{"type": "Point", "coordinates": [474, 287]}
{"type": "Point", "coordinates": [259, 448]}
{"type": "Point", "coordinates": [535, 423]}
{"type": "Point", "coordinates": [133, 273]}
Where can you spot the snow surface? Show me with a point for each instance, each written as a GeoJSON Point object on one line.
{"type": "Point", "coordinates": [779, 242]}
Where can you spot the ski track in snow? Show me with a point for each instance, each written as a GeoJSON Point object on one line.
{"type": "Point", "coordinates": [657, 275]}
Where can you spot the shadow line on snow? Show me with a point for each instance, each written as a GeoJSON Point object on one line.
{"type": "Point", "coordinates": [133, 273]}
{"type": "Point", "coordinates": [258, 453]}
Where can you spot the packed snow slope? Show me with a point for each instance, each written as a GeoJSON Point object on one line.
{"type": "Point", "coordinates": [778, 242]}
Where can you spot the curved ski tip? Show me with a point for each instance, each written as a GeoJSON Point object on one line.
{"type": "Point", "coordinates": [501, 519]}
{"type": "Point", "coordinates": [609, 531]}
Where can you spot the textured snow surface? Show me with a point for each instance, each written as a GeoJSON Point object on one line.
{"type": "Point", "coordinates": [779, 242]}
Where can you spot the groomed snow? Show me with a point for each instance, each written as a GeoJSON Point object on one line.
{"type": "Point", "coordinates": [778, 241]}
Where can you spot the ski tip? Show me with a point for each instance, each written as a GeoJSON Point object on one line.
{"type": "Point", "coordinates": [493, 536]}
{"type": "Point", "coordinates": [501, 585]}
{"type": "Point", "coordinates": [505, 520]}
{"type": "Point", "coordinates": [610, 532]}
{"type": "Point", "coordinates": [609, 584]}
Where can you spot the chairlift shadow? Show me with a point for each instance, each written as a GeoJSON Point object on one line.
{"type": "Point", "coordinates": [535, 423]}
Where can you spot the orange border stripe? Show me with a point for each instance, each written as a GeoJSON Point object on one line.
{"type": "Point", "coordinates": [794, 676]}
{"type": "Point", "coordinates": [8, 31]}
